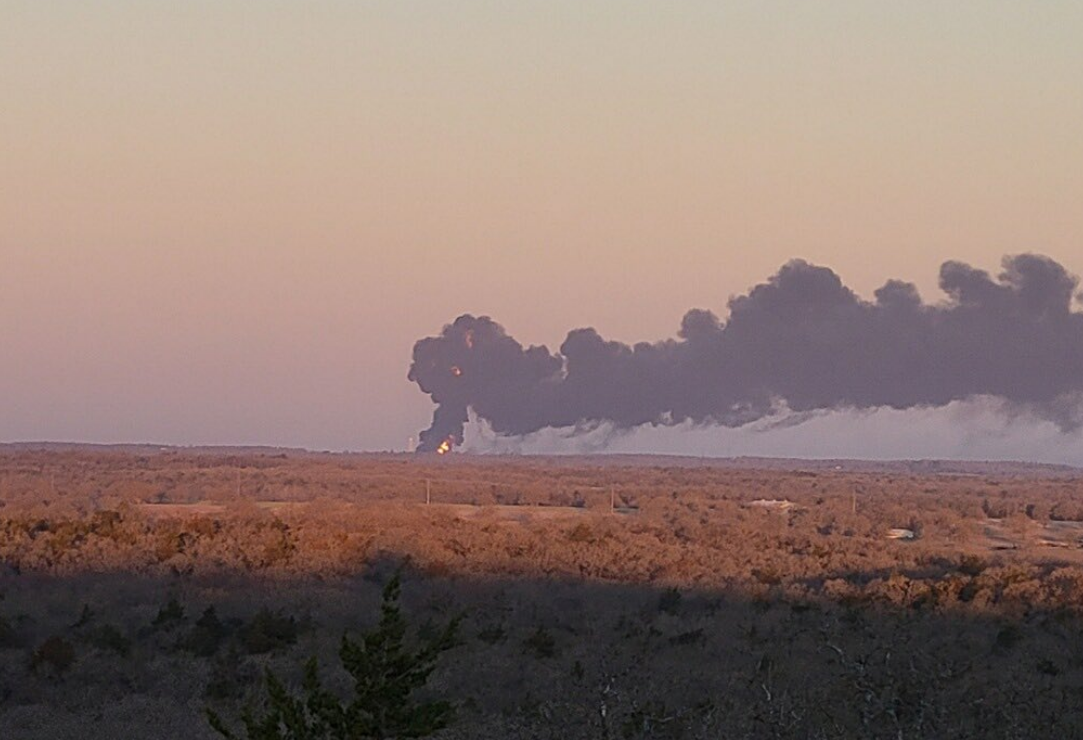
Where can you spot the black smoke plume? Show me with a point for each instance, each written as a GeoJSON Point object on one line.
{"type": "Point", "coordinates": [800, 342]}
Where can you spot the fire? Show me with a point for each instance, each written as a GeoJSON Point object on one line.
{"type": "Point", "coordinates": [456, 370]}
{"type": "Point", "coordinates": [444, 448]}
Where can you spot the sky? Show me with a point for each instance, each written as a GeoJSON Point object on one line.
{"type": "Point", "coordinates": [226, 223]}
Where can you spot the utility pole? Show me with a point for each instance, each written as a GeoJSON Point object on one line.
{"type": "Point", "coordinates": [612, 500]}
{"type": "Point", "coordinates": [428, 491]}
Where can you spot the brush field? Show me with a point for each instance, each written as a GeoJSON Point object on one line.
{"type": "Point", "coordinates": [602, 597]}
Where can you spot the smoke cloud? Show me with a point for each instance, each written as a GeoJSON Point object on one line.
{"type": "Point", "coordinates": [797, 344]}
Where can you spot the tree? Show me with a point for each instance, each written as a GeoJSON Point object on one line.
{"type": "Point", "coordinates": [386, 674]}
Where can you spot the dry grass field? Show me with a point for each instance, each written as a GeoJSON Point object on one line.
{"type": "Point", "coordinates": [601, 597]}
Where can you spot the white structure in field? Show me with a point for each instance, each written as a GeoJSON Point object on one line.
{"type": "Point", "coordinates": [900, 534]}
{"type": "Point", "coordinates": [772, 503]}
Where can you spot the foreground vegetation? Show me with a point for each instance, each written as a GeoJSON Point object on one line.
{"type": "Point", "coordinates": [688, 611]}
{"type": "Point", "coordinates": [386, 674]}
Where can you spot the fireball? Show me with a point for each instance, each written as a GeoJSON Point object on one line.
{"type": "Point", "coordinates": [444, 448]}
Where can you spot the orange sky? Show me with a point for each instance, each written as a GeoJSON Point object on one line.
{"type": "Point", "coordinates": [228, 222]}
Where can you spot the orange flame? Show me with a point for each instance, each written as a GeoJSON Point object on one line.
{"type": "Point", "coordinates": [444, 448]}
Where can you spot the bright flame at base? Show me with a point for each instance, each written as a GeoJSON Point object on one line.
{"type": "Point", "coordinates": [444, 448]}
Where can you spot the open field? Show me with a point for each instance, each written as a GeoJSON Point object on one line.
{"type": "Point", "coordinates": [602, 597]}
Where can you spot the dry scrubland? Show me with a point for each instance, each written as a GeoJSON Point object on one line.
{"type": "Point", "coordinates": [610, 598]}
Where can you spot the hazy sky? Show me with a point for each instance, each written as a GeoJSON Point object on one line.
{"type": "Point", "coordinates": [228, 222]}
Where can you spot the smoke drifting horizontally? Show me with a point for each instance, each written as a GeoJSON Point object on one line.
{"type": "Point", "coordinates": [800, 342]}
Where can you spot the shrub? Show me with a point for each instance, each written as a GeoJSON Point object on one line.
{"type": "Point", "coordinates": [1066, 511]}
{"type": "Point", "coordinates": [55, 653]}
{"type": "Point", "coordinates": [207, 634]}
{"type": "Point", "coordinates": [492, 634]}
{"type": "Point", "coordinates": [652, 720]}
{"type": "Point", "coordinates": [541, 644]}
{"type": "Point", "coordinates": [997, 509]}
{"type": "Point", "coordinates": [1048, 667]}
{"type": "Point", "coordinates": [669, 602]}
{"type": "Point", "coordinates": [1008, 637]}
{"type": "Point", "coordinates": [85, 617]}
{"type": "Point", "coordinates": [169, 616]}
{"type": "Point", "coordinates": [692, 637]}
{"type": "Point", "coordinates": [972, 565]}
{"type": "Point", "coordinates": [581, 532]}
{"type": "Point", "coordinates": [230, 676]}
{"type": "Point", "coordinates": [8, 637]}
{"type": "Point", "coordinates": [386, 674]}
{"type": "Point", "coordinates": [769, 576]}
{"type": "Point", "coordinates": [268, 631]}
{"type": "Point", "coordinates": [108, 637]}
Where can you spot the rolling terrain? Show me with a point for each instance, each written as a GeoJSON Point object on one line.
{"type": "Point", "coordinates": [619, 597]}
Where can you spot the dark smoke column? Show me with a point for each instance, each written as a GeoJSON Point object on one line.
{"type": "Point", "coordinates": [799, 342]}
{"type": "Point", "coordinates": [473, 363]}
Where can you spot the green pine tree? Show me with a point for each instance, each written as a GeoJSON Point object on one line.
{"type": "Point", "coordinates": [386, 673]}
